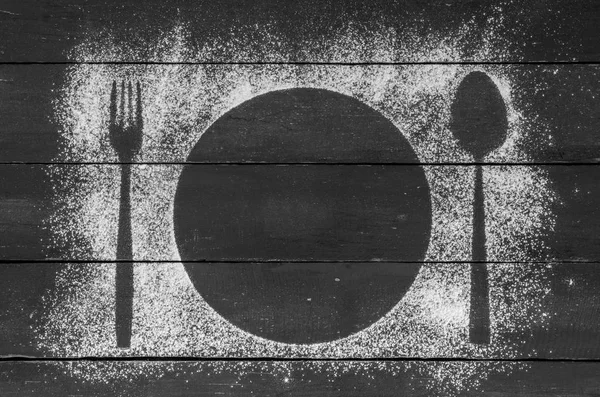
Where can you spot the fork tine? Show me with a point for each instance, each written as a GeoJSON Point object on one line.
{"type": "Point", "coordinates": [139, 122]}
{"type": "Point", "coordinates": [122, 110]}
{"type": "Point", "coordinates": [129, 104]}
{"type": "Point", "coordinates": [113, 103]}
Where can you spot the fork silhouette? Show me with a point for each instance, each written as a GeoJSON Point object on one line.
{"type": "Point", "coordinates": [125, 132]}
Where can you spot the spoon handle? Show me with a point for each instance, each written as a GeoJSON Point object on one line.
{"type": "Point", "coordinates": [479, 327]}
{"type": "Point", "coordinates": [124, 276]}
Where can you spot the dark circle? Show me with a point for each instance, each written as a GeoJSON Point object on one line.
{"type": "Point", "coordinates": [302, 253]}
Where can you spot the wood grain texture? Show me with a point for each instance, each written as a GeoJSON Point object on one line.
{"type": "Point", "coordinates": [569, 332]}
{"type": "Point", "coordinates": [28, 203]}
{"type": "Point", "coordinates": [562, 98]}
{"type": "Point", "coordinates": [535, 379]}
{"type": "Point", "coordinates": [46, 31]}
{"type": "Point", "coordinates": [551, 50]}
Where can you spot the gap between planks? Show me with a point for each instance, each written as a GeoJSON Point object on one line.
{"type": "Point", "coordinates": [302, 63]}
{"type": "Point", "coordinates": [308, 261]}
{"type": "Point", "coordinates": [12, 359]}
{"type": "Point", "coordinates": [279, 164]}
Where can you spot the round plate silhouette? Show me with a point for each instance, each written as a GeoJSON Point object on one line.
{"type": "Point", "coordinates": [288, 245]}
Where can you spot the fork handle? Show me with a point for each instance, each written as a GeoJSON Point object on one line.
{"type": "Point", "coordinates": [124, 273]}
{"type": "Point", "coordinates": [479, 324]}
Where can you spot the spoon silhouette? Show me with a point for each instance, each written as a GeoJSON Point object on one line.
{"type": "Point", "coordinates": [479, 122]}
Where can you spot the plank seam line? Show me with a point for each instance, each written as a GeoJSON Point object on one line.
{"type": "Point", "coordinates": [427, 164]}
{"type": "Point", "coordinates": [281, 359]}
{"type": "Point", "coordinates": [283, 261]}
{"type": "Point", "coordinates": [302, 63]}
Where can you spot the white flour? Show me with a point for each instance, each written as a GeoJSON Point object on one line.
{"type": "Point", "coordinates": [181, 101]}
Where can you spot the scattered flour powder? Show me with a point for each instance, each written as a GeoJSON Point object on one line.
{"type": "Point", "coordinates": [182, 100]}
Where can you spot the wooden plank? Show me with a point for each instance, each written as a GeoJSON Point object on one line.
{"type": "Point", "coordinates": [49, 115]}
{"type": "Point", "coordinates": [26, 112]}
{"type": "Point", "coordinates": [45, 309]}
{"type": "Point", "coordinates": [34, 379]}
{"type": "Point", "coordinates": [22, 306]}
{"type": "Point", "coordinates": [346, 212]}
{"type": "Point", "coordinates": [547, 31]}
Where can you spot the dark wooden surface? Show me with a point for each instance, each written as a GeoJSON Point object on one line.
{"type": "Point", "coordinates": [573, 302]}
{"type": "Point", "coordinates": [46, 31]}
{"type": "Point", "coordinates": [27, 201]}
{"type": "Point", "coordinates": [552, 52]}
{"type": "Point", "coordinates": [566, 107]}
{"type": "Point", "coordinates": [252, 379]}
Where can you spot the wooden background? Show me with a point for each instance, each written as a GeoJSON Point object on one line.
{"type": "Point", "coordinates": [37, 37]}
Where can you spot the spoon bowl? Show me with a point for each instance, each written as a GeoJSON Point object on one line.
{"type": "Point", "coordinates": [479, 117]}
